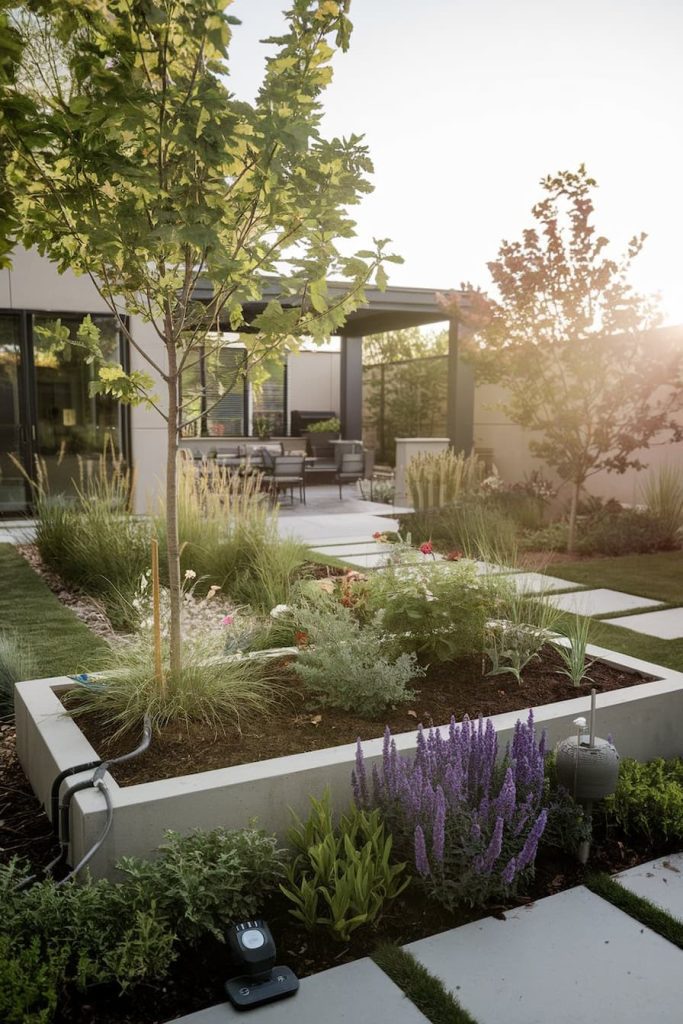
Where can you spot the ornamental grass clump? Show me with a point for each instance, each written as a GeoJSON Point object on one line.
{"type": "Point", "coordinates": [472, 823]}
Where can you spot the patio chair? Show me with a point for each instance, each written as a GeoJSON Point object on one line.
{"type": "Point", "coordinates": [288, 472]}
{"type": "Point", "coordinates": [351, 468]}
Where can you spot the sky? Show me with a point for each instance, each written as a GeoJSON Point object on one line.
{"type": "Point", "coordinates": [466, 104]}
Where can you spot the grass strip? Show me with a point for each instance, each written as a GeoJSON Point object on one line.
{"type": "Point", "coordinates": [428, 993]}
{"type": "Point", "coordinates": [57, 641]}
{"type": "Point", "coordinates": [643, 910]}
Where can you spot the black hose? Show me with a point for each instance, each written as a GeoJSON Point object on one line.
{"type": "Point", "coordinates": [99, 784]}
{"type": "Point", "coordinates": [56, 786]}
{"type": "Point", "coordinates": [96, 781]}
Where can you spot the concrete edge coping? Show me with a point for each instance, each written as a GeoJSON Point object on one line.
{"type": "Point", "coordinates": [42, 700]}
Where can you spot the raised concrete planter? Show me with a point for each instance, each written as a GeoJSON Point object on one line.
{"type": "Point", "coordinates": [645, 721]}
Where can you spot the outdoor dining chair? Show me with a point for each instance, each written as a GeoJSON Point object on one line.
{"type": "Point", "coordinates": [351, 468]}
{"type": "Point", "coordinates": [288, 472]}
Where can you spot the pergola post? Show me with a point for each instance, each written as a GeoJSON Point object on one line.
{"type": "Point", "coordinates": [460, 402]}
{"type": "Point", "coordinates": [351, 388]}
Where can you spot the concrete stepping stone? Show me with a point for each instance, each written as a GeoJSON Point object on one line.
{"type": "Point", "coordinates": [375, 560]}
{"type": "Point", "coordinates": [350, 994]}
{"type": "Point", "coordinates": [567, 958]}
{"type": "Point", "coordinates": [666, 624]}
{"type": "Point", "coordinates": [660, 881]}
{"type": "Point", "coordinates": [342, 550]}
{"type": "Point", "coordinates": [538, 583]}
{"type": "Point", "coordinates": [600, 602]}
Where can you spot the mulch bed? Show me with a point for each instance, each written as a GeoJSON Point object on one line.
{"type": "Point", "coordinates": [25, 829]}
{"type": "Point", "coordinates": [301, 724]}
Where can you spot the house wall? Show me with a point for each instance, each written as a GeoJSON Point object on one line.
{"type": "Point", "coordinates": [313, 381]}
{"type": "Point", "coordinates": [34, 283]}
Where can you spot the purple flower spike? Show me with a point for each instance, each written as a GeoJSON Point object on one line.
{"type": "Point", "coordinates": [439, 834]}
{"type": "Point", "coordinates": [421, 862]}
{"type": "Point", "coordinates": [509, 871]}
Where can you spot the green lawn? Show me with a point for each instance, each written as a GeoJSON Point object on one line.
{"type": "Point", "coordinates": [59, 643]}
{"type": "Point", "coordinates": [658, 576]}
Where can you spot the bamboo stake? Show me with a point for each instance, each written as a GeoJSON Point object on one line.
{"type": "Point", "coordinates": [156, 612]}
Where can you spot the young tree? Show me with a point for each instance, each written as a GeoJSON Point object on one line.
{"type": "Point", "coordinates": [568, 338]}
{"type": "Point", "coordinates": [128, 159]}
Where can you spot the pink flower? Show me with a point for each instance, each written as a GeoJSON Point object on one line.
{"type": "Point", "coordinates": [376, 535]}
{"type": "Point", "coordinates": [426, 548]}
{"type": "Point", "coordinates": [227, 620]}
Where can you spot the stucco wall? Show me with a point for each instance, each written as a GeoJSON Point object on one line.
{"type": "Point", "coordinates": [313, 381]}
{"type": "Point", "coordinates": [509, 444]}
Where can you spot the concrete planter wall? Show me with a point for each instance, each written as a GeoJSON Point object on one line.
{"type": "Point", "coordinates": [645, 721]}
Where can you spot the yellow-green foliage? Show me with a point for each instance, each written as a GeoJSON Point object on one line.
{"type": "Point", "coordinates": [342, 876]}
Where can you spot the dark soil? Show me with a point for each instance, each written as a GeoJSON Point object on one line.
{"type": "Point", "coordinates": [25, 829]}
{"type": "Point", "coordinates": [453, 688]}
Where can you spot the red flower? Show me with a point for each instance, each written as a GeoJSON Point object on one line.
{"type": "Point", "coordinates": [301, 638]}
{"type": "Point", "coordinates": [376, 535]}
{"type": "Point", "coordinates": [454, 556]}
{"type": "Point", "coordinates": [426, 548]}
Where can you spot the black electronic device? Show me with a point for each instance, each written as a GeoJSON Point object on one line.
{"type": "Point", "coordinates": [253, 951]}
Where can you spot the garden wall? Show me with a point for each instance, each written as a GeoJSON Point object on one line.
{"type": "Point", "coordinates": [644, 721]}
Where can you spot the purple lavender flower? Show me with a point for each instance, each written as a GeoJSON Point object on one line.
{"type": "Point", "coordinates": [509, 871]}
{"type": "Point", "coordinates": [507, 798]}
{"type": "Point", "coordinates": [493, 849]}
{"type": "Point", "coordinates": [359, 779]}
{"type": "Point", "coordinates": [439, 832]}
{"type": "Point", "coordinates": [421, 861]}
{"type": "Point", "coordinates": [528, 853]}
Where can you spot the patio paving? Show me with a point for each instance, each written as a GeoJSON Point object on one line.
{"type": "Point", "coordinates": [600, 602]}
{"type": "Point", "coordinates": [660, 881]}
{"type": "Point", "coordinates": [567, 958]}
{"type": "Point", "coordinates": [666, 624]}
{"type": "Point", "coordinates": [351, 994]}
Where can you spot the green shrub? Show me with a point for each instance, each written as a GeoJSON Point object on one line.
{"type": "Point", "coordinates": [628, 531]}
{"type": "Point", "coordinates": [435, 609]}
{"type": "Point", "coordinates": [330, 426]}
{"type": "Point", "coordinates": [30, 980]}
{"type": "Point", "coordinates": [127, 932]}
{"type": "Point", "coordinates": [349, 665]}
{"type": "Point", "coordinates": [342, 877]}
{"type": "Point", "coordinates": [648, 801]}
{"type": "Point", "coordinates": [205, 880]}
{"type": "Point", "coordinates": [553, 537]}
{"type": "Point", "coordinates": [16, 663]}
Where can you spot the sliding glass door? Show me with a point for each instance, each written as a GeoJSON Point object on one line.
{"type": "Point", "coordinates": [46, 411]}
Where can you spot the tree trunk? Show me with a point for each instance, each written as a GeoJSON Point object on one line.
{"type": "Point", "coordinates": [172, 543]}
{"type": "Point", "coordinates": [571, 539]}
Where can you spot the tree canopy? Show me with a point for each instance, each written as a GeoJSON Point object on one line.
{"type": "Point", "coordinates": [126, 157]}
{"type": "Point", "coordinates": [572, 342]}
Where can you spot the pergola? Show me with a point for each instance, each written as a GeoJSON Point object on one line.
{"type": "Point", "coordinates": [389, 310]}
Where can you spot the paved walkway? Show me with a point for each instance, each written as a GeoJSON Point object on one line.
{"type": "Point", "coordinates": [568, 958]}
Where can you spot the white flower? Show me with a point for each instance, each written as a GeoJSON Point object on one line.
{"type": "Point", "coordinates": [190, 574]}
{"type": "Point", "coordinates": [278, 610]}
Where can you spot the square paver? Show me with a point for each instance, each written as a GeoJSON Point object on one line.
{"type": "Point", "coordinates": [351, 994]}
{"type": "Point", "coordinates": [666, 624]}
{"type": "Point", "coordinates": [600, 602]}
{"type": "Point", "coordinates": [538, 583]}
{"type": "Point", "coordinates": [565, 959]}
{"type": "Point", "coordinates": [660, 881]}
{"type": "Point", "coordinates": [342, 550]}
{"type": "Point", "coordinates": [370, 561]}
